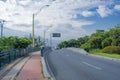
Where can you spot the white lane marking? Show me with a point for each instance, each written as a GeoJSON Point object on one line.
{"type": "Point", "coordinates": [98, 68]}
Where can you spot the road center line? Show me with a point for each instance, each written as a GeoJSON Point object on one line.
{"type": "Point", "coordinates": [95, 67]}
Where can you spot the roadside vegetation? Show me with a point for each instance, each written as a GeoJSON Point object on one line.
{"type": "Point", "coordinates": [100, 53]}
{"type": "Point", "coordinates": [14, 42]}
{"type": "Point", "coordinates": [104, 43]}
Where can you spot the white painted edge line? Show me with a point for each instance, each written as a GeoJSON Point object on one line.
{"type": "Point", "coordinates": [93, 66]}
{"type": "Point", "coordinates": [45, 71]}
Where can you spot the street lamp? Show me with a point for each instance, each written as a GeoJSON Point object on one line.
{"type": "Point", "coordinates": [35, 14]}
{"type": "Point", "coordinates": [45, 34]}
{"type": "Point", "coordinates": [2, 22]}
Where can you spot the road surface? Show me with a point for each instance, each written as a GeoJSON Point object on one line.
{"type": "Point", "coordinates": [68, 65]}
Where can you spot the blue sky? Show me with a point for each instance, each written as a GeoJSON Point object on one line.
{"type": "Point", "coordinates": [71, 18]}
{"type": "Point", "coordinates": [104, 23]}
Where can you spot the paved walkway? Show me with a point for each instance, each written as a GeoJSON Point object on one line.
{"type": "Point", "coordinates": [32, 70]}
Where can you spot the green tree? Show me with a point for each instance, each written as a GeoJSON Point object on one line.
{"type": "Point", "coordinates": [96, 42]}
{"type": "Point", "coordinates": [99, 40]}
{"type": "Point", "coordinates": [83, 40]}
{"type": "Point", "coordinates": [63, 44]}
{"type": "Point", "coordinates": [72, 43]}
{"type": "Point", "coordinates": [22, 43]}
{"type": "Point", "coordinates": [11, 42]}
{"type": "Point", "coordinates": [86, 46]}
{"type": "Point", "coordinates": [107, 42]}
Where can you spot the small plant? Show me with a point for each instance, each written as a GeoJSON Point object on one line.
{"type": "Point", "coordinates": [111, 49]}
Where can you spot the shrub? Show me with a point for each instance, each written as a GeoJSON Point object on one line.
{"type": "Point", "coordinates": [94, 51]}
{"type": "Point", "coordinates": [3, 48]}
{"type": "Point", "coordinates": [107, 42]}
{"type": "Point", "coordinates": [111, 49]}
{"type": "Point", "coordinates": [86, 46]}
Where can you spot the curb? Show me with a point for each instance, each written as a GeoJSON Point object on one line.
{"type": "Point", "coordinates": [45, 69]}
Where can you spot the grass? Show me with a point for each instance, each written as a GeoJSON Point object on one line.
{"type": "Point", "coordinates": [110, 55]}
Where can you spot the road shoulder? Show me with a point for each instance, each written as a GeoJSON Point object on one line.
{"type": "Point", "coordinates": [82, 51]}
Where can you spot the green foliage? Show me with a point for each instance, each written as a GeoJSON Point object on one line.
{"type": "Point", "coordinates": [2, 48]}
{"type": "Point", "coordinates": [83, 40]}
{"type": "Point", "coordinates": [86, 46]}
{"type": "Point", "coordinates": [117, 56]}
{"type": "Point", "coordinates": [22, 43]}
{"type": "Point", "coordinates": [115, 34]}
{"type": "Point", "coordinates": [73, 42]}
{"type": "Point", "coordinates": [107, 42]}
{"type": "Point", "coordinates": [63, 44]}
{"type": "Point", "coordinates": [111, 49]}
{"type": "Point", "coordinates": [97, 40]}
{"type": "Point", "coordinates": [92, 51]}
{"type": "Point", "coordinates": [7, 43]}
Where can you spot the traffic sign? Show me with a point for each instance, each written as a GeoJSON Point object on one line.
{"type": "Point", "coordinates": [56, 35]}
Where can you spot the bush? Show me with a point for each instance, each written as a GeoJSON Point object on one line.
{"type": "Point", "coordinates": [86, 46]}
{"type": "Point", "coordinates": [3, 48]}
{"type": "Point", "coordinates": [107, 42]}
{"type": "Point", "coordinates": [111, 49]}
{"type": "Point", "coordinates": [94, 51]}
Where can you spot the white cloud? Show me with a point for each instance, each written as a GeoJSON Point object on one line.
{"type": "Point", "coordinates": [117, 7]}
{"type": "Point", "coordinates": [87, 13]}
{"type": "Point", "coordinates": [67, 31]}
{"type": "Point", "coordinates": [104, 11]}
{"type": "Point", "coordinates": [59, 14]}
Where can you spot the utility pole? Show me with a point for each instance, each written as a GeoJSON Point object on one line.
{"type": "Point", "coordinates": [44, 37]}
{"type": "Point", "coordinates": [1, 30]}
{"type": "Point", "coordinates": [2, 22]}
{"type": "Point", "coordinates": [45, 34]}
{"type": "Point", "coordinates": [33, 37]}
{"type": "Point", "coordinates": [34, 14]}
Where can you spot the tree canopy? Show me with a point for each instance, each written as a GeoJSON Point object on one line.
{"type": "Point", "coordinates": [11, 42]}
{"type": "Point", "coordinates": [98, 40]}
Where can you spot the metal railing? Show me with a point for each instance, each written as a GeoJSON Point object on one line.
{"type": "Point", "coordinates": [9, 56]}
{"type": "Point", "coordinates": [45, 50]}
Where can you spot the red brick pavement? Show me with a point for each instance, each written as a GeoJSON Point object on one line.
{"type": "Point", "coordinates": [32, 70]}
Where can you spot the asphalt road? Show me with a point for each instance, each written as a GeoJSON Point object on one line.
{"type": "Point", "coordinates": [68, 65]}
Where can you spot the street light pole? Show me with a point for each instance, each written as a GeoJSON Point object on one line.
{"type": "Point", "coordinates": [33, 37]}
{"type": "Point", "coordinates": [45, 34]}
{"type": "Point", "coordinates": [33, 16]}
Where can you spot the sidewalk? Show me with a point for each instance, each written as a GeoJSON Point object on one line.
{"type": "Point", "coordinates": [32, 70]}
